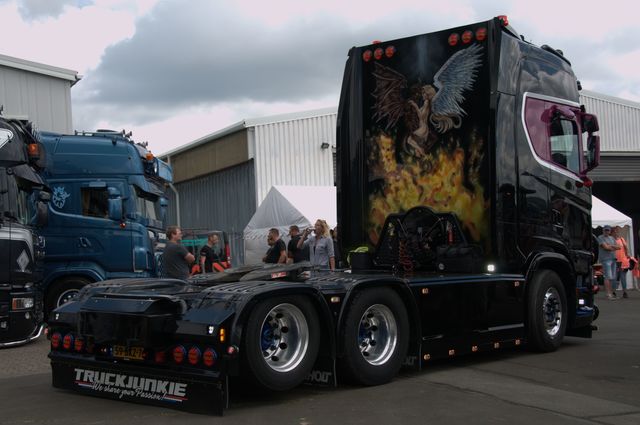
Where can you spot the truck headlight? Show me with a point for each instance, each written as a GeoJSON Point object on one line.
{"type": "Point", "coordinates": [22, 303]}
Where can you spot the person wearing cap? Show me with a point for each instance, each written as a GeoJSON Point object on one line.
{"type": "Point", "coordinates": [294, 254]}
{"type": "Point", "coordinates": [606, 255]}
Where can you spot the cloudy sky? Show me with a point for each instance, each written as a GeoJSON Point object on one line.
{"type": "Point", "coordinates": [173, 71]}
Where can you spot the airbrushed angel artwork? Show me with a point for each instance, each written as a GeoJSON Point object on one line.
{"type": "Point", "coordinates": [420, 153]}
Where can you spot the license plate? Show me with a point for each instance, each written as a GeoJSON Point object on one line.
{"type": "Point", "coordinates": [135, 353]}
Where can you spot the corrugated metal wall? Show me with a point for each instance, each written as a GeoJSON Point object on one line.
{"type": "Point", "coordinates": [44, 100]}
{"type": "Point", "coordinates": [619, 121]}
{"type": "Point", "coordinates": [289, 153]}
{"type": "Point", "coordinates": [219, 201]}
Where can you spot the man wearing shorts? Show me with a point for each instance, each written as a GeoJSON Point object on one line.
{"type": "Point", "coordinates": [607, 255]}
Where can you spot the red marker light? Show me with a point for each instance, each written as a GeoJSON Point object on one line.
{"type": "Point", "coordinates": [178, 354]}
{"type": "Point", "coordinates": [160, 357]}
{"type": "Point", "coordinates": [390, 51]}
{"type": "Point", "coordinates": [367, 55]}
{"type": "Point", "coordinates": [194, 355]}
{"type": "Point", "coordinates": [453, 39]}
{"type": "Point", "coordinates": [377, 53]}
{"type": "Point", "coordinates": [55, 340]}
{"type": "Point", "coordinates": [209, 357]}
{"type": "Point", "coordinates": [467, 36]}
{"type": "Point", "coordinates": [504, 19]}
{"type": "Point", "coordinates": [481, 34]}
{"type": "Point", "coordinates": [376, 42]}
{"type": "Point", "coordinates": [67, 342]}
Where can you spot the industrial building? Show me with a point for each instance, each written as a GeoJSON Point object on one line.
{"type": "Point", "coordinates": [39, 92]}
{"type": "Point", "coordinates": [222, 178]}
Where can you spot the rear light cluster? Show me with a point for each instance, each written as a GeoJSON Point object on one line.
{"type": "Point", "coordinates": [194, 356]}
{"type": "Point", "coordinates": [467, 36]}
{"type": "Point", "coordinates": [70, 342]}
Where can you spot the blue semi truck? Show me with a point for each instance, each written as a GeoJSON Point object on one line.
{"type": "Point", "coordinates": [107, 211]}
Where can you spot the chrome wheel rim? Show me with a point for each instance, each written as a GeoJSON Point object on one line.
{"type": "Point", "coordinates": [284, 337]}
{"type": "Point", "coordinates": [377, 334]}
{"type": "Point", "coordinates": [552, 311]}
{"type": "Point", "coordinates": [66, 296]}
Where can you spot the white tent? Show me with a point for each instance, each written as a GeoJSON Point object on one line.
{"type": "Point", "coordinates": [285, 206]}
{"type": "Point", "coordinates": [602, 213]}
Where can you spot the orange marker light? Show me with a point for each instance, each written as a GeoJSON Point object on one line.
{"type": "Point", "coordinates": [222, 335]}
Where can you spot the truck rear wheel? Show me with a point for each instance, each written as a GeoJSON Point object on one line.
{"type": "Point", "coordinates": [63, 290]}
{"type": "Point", "coordinates": [375, 336]}
{"type": "Point", "coordinates": [281, 342]}
{"type": "Point", "coordinates": [547, 311]}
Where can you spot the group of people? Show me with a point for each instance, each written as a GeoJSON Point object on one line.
{"type": "Point", "coordinates": [177, 261]}
{"type": "Point", "coordinates": [318, 245]}
{"type": "Point", "coordinates": [613, 254]}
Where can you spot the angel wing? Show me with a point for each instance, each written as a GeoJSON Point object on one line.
{"type": "Point", "coordinates": [456, 76]}
{"type": "Point", "coordinates": [389, 95]}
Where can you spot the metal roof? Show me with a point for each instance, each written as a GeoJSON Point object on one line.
{"type": "Point", "coordinates": [40, 68]}
{"type": "Point", "coordinates": [248, 123]}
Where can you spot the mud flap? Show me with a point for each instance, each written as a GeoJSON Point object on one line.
{"type": "Point", "coordinates": [198, 394]}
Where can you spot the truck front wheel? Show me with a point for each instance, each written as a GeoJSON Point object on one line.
{"type": "Point", "coordinates": [281, 342]}
{"type": "Point", "coordinates": [62, 291]}
{"type": "Point", "coordinates": [375, 336]}
{"type": "Point", "coordinates": [547, 311]}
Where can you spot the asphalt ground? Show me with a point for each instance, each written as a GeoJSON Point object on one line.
{"type": "Point", "coordinates": [587, 381]}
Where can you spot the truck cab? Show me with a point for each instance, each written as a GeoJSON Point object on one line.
{"type": "Point", "coordinates": [106, 213]}
{"type": "Point", "coordinates": [22, 208]}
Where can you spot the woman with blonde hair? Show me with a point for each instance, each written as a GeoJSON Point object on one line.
{"type": "Point", "coordinates": [320, 245]}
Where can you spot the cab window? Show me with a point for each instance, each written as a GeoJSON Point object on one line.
{"type": "Point", "coordinates": [565, 144]}
{"type": "Point", "coordinates": [95, 202]}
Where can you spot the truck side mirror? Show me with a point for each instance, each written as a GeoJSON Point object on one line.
{"type": "Point", "coordinates": [164, 203]}
{"type": "Point", "coordinates": [589, 123]}
{"type": "Point", "coordinates": [592, 153]}
{"type": "Point", "coordinates": [115, 203]}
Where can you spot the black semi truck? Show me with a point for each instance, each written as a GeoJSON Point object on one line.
{"type": "Point", "coordinates": [464, 206]}
{"type": "Point", "coordinates": [22, 208]}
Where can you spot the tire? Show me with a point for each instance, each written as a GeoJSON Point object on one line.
{"type": "Point", "coordinates": [62, 291]}
{"type": "Point", "coordinates": [281, 342]}
{"type": "Point", "coordinates": [375, 337]}
{"type": "Point", "coordinates": [546, 312]}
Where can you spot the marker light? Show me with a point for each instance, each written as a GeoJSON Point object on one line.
{"type": "Point", "coordinates": [67, 342]}
{"type": "Point", "coordinates": [149, 156]}
{"type": "Point", "coordinates": [481, 34]}
{"type": "Point", "coordinates": [504, 19]}
{"type": "Point", "coordinates": [467, 37]}
{"type": "Point", "coordinates": [390, 51]}
{"type": "Point", "coordinates": [160, 357]}
{"type": "Point", "coordinates": [209, 357]}
{"type": "Point", "coordinates": [367, 55]}
{"type": "Point", "coordinates": [453, 39]}
{"type": "Point", "coordinates": [178, 354]}
{"type": "Point", "coordinates": [491, 268]}
{"type": "Point", "coordinates": [194, 355]}
{"type": "Point", "coordinates": [55, 340]}
{"type": "Point", "coordinates": [33, 150]}
{"type": "Point", "coordinates": [222, 334]}
{"type": "Point", "coordinates": [377, 53]}
{"type": "Point", "coordinates": [78, 345]}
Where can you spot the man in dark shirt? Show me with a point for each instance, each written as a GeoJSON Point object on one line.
{"type": "Point", "coordinates": [293, 252]}
{"type": "Point", "coordinates": [277, 252]}
{"type": "Point", "coordinates": [211, 254]}
{"type": "Point", "coordinates": [176, 258]}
